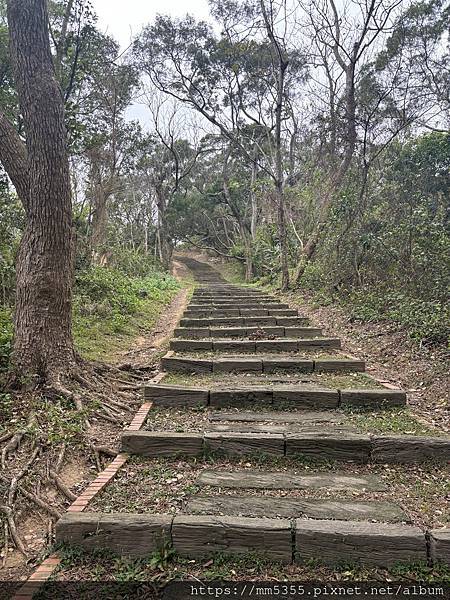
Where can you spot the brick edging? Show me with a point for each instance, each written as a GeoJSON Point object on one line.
{"type": "Point", "coordinates": [49, 565]}
{"type": "Point", "coordinates": [37, 578]}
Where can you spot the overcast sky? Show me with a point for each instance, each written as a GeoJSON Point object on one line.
{"type": "Point", "coordinates": [124, 19]}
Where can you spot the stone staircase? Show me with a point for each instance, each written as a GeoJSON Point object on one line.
{"type": "Point", "coordinates": [260, 381]}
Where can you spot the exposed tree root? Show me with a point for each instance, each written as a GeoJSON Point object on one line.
{"type": "Point", "coordinates": [53, 475]}
{"type": "Point", "coordinates": [11, 446]}
{"type": "Point", "coordinates": [8, 512]}
{"type": "Point", "coordinates": [6, 436]}
{"type": "Point", "coordinates": [30, 465]}
{"type": "Point", "coordinates": [106, 450]}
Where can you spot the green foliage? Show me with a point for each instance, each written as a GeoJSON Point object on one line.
{"type": "Point", "coordinates": [11, 224]}
{"type": "Point", "coordinates": [109, 303]}
{"type": "Point", "coordinates": [6, 333]}
{"type": "Point", "coordinates": [387, 259]}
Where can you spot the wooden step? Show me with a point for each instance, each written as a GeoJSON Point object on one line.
{"type": "Point", "coordinates": [281, 480]}
{"type": "Point", "coordinates": [227, 345]}
{"type": "Point", "coordinates": [303, 397]}
{"type": "Point", "coordinates": [243, 321]}
{"type": "Point", "coordinates": [311, 508]}
{"type": "Point", "coordinates": [266, 364]}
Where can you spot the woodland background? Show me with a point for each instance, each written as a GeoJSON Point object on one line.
{"type": "Point", "coordinates": [306, 140]}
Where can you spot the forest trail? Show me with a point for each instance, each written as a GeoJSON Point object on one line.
{"type": "Point", "coordinates": [252, 446]}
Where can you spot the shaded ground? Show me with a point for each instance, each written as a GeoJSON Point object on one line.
{"type": "Point", "coordinates": [422, 490]}
{"type": "Point", "coordinates": [78, 469]}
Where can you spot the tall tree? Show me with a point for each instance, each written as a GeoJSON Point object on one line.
{"type": "Point", "coordinates": [39, 170]}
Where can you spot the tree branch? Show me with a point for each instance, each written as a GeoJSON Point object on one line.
{"type": "Point", "coordinates": [13, 156]}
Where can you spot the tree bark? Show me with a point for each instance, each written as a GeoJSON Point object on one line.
{"type": "Point", "coordinates": [165, 246]}
{"type": "Point", "coordinates": [99, 226]}
{"type": "Point", "coordinates": [43, 311]}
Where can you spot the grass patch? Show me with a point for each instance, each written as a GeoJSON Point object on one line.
{"type": "Point", "coordinates": [111, 307]}
{"type": "Point", "coordinates": [166, 566]}
{"type": "Point", "coordinates": [325, 380]}
{"type": "Point", "coordinates": [395, 420]}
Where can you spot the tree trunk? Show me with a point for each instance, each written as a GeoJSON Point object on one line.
{"type": "Point", "coordinates": [281, 66]}
{"type": "Point", "coordinates": [165, 246]}
{"type": "Point", "coordinates": [337, 179]}
{"type": "Point", "coordinates": [99, 225]}
{"type": "Point", "coordinates": [45, 265]}
{"type": "Point", "coordinates": [254, 201]}
{"type": "Point", "coordinates": [282, 232]}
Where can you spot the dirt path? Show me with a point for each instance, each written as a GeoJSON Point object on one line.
{"type": "Point", "coordinates": [146, 348]}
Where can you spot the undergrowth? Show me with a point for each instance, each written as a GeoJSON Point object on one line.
{"type": "Point", "coordinates": [165, 566]}
{"type": "Point", "coordinates": [110, 306]}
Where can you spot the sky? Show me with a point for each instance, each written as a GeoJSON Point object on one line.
{"type": "Point", "coordinates": [124, 19]}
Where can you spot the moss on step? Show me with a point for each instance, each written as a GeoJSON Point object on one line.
{"type": "Point", "coordinates": [324, 380]}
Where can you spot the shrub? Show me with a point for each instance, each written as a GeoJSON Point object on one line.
{"type": "Point", "coordinates": [6, 334]}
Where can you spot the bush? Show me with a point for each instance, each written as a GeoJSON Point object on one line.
{"type": "Point", "coordinates": [134, 263]}
{"type": "Point", "coordinates": [6, 334]}
{"type": "Point", "coordinates": [108, 302]}
{"type": "Point", "coordinates": [426, 321]}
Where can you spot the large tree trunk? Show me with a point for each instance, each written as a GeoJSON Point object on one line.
{"type": "Point", "coordinates": [45, 265]}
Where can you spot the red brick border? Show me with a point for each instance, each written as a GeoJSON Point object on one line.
{"type": "Point", "coordinates": [49, 565]}
{"type": "Point", "coordinates": [36, 579]}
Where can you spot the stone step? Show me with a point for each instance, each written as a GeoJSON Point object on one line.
{"type": "Point", "coordinates": [265, 427]}
{"type": "Point", "coordinates": [372, 544]}
{"type": "Point", "coordinates": [122, 533]}
{"type": "Point", "coordinates": [253, 346]}
{"type": "Point", "coordinates": [243, 321]}
{"type": "Point", "coordinates": [303, 417]}
{"type": "Point", "coordinates": [311, 508]}
{"type": "Point", "coordinates": [262, 364]}
{"type": "Point", "coordinates": [303, 397]}
{"type": "Point", "coordinates": [232, 299]}
{"type": "Point", "coordinates": [196, 536]}
{"type": "Point", "coordinates": [227, 291]}
{"type": "Point", "coordinates": [244, 305]}
{"type": "Point", "coordinates": [325, 443]}
{"type": "Point", "coordinates": [239, 312]}
{"type": "Point", "coordinates": [283, 540]}
{"type": "Point", "coordinates": [281, 480]}
{"type": "Point", "coordinates": [243, 332]}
